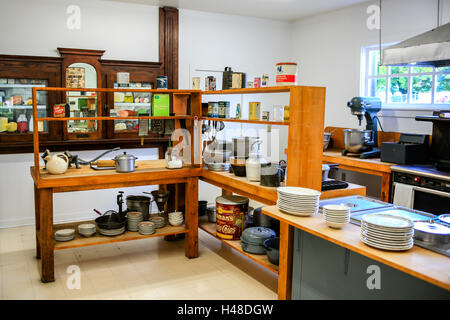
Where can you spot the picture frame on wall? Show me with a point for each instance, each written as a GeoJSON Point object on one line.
{"type": "Point", "coordinates": [75, 77]}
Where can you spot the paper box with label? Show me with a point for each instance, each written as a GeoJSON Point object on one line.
{"type": "Point", "coordinates": [160, 105]}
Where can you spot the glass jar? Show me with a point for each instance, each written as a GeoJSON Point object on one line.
{"type": "Point", "coordinates": [254, 163]}
{"type": "Point", "coordinates": [173, 158]}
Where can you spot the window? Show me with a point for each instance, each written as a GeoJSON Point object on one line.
{"type": "Point", "coordinates": [403, 87]}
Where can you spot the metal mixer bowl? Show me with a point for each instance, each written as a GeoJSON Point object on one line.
{"type": "Point", "coordinates": [356, 140]}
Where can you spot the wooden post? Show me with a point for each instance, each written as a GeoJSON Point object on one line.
{"type": "Point", "coordinates": [285, 262]}
{"type": "Point", "coordinates": [37, 220]}
{"type": "Point", "coordinates": [191, 218]}
{"type": "Point", "coordinates": [46, 225]}
{"type": "Point", "coordinates": [385, 186]}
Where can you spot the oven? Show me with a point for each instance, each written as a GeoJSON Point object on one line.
{"type": "Point", "coordinates": [421, 188]}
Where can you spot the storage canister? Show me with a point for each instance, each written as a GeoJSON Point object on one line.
{"type": "Point", "coordinates": [224, 109]}
{"type": "Point", "coordinates": [213, 109]}
{"type": "Point", "coordinates": [140, 204]}
{"type": "Point", "coordinates": [286, 74]}
{"type": "Point", "coordinates": [230, 216]}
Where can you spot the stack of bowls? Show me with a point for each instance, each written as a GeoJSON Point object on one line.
{"type": "Point", "coordinates": [176, 218]}
{"type": "Point", "coordinates": [146, 227]}
{"type": "Point", "coordinates": [133, 219]}
{"type": "Point", "coordinates": [336, 216]}
{"type": "Point", "coordinates": [158, 221]}
{"type": "Point", "coordinates": [65, 235]}
{"type": "Point", "coordinates": [87, 229]}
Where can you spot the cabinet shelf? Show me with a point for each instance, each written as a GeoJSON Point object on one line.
{"type": "Point", "coordinates": [115, 118]}
{"type": "Point", "coordinates": [27, 107]}
{"type": "Point", "coordinates": [274, 123]}
{"type": "Point", "coordinates": [251, 90]}
{"type": "Point", "coordinates": [132, 104]}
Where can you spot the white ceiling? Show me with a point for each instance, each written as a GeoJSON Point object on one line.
{"type": "Point", "coordinates": [271, 9]}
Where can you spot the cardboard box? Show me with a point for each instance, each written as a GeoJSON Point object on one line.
{"type": "Point", "coordinates": [161, 105]}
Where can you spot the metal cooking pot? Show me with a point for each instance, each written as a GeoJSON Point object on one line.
{"type": "Point", "coordinates": [242, 145]}
{"type": "Point", "coordinates": [262, 220]}
{"type": "Point", "coordinates": [125, 162]}
{"type": "Point", "coordinates": [110, 220]}
{"type": "Point", "coordinates": [356, 140]}
{"type": "Point", "coordinates": [139, 203]}
{"type": "Point", "coordinates": [272, 246]}
{"type": "Point", "coordinates": [252, 239]}
{"type": "Point", "coordinates": [431, 232]}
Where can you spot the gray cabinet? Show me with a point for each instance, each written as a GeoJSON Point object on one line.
{"type": "Point", "coordinates": [323, 270]}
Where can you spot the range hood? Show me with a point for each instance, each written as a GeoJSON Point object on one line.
{"type": "Point", "coordinates": [431, 48]}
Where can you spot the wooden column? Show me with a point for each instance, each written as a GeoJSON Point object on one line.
{"type": "Point", "coordinates": [37, 220]}
{"type": "Point", "coordinates": [191, 217]}
{"type": "Point", "coordinates": [386, 186]}
{"type": "Point", "coordinates": [46, 232]}
{"type": "Point", "coordinates": [285, 262]}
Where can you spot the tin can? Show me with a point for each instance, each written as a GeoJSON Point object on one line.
{"type": "Point", "coordinates": [266, 115]}
{"type": "Point", "coordinates": [250, 84]}
{"type": "Point", "coordinates": [224, 109]}
{"type": "Point", "coordinates": [254, 110]}
{"type": "Point", "coordinates": [265, 80]}
{"type": "Point", "coordinates": [195, 83]}
{"type": "Point", "coordinates": [231, 212]}
{"type": "Point", "coordinates": [162, 82]}
{"type": "Point", "coordinates": [257, 82]}
{"type": "Point", "coordinates": [213, 109]}
{"type": "Point", "coordinates": [210, 83]}
{"type": "Point", "coordinates": [286, 74]}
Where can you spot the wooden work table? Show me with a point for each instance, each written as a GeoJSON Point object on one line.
{"type": "Point", "coordinates": [370, 166]}
{"type": "Point", "coordinates": [418, 262]}
{"type": "Point", "coordinates": [151, 172]}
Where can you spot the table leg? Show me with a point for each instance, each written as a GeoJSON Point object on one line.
{"type": "Point", "coordinates": [386, 187]}
{"type": "Point", "coordinates": [285, 262]}
{"type": "Point", "coordinates": [37, 221]}
{"type": "Point", "coordinates": [191, 217]}
{"type": "Point", "coordinates": [46, 225]}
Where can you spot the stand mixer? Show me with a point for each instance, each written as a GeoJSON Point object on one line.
{"type": "Point", "coordinates": [363, 142]}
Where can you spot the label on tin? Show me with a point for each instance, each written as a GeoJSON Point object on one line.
{"type": "Point", "coordinates": [230, 220]}
{"type": "Point", "coordinates": [286, 78]}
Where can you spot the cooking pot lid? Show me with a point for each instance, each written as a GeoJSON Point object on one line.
{"type": "Point", "coordinates": [124, 156]}
{"type": "Point", "coordinates": [433, 228]}
{"type": "Point", "coordinates": [445, 218]}
{"type": "Point", "coordinates": [257, 235]}
{"type": "Point", "coordinates": [231, 200]}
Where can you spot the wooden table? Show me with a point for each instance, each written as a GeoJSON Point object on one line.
{"type": "Point", "coordinates": [418, 262]}
{"type": "Point", "coordinates": [152, 172]}
{"type": "Point", "coordinates": [370, 166]}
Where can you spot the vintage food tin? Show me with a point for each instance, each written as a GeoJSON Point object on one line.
{"type": "Point", "coordinates": [257, 82]}
{"type": "Point", "coordinates": [213, 109]}
{"type": "Point", "coordinates": [230, 216]}
{"type": "Point", "coordinates": [196, 83]}
{"type": "Point", "coordinates": [249, 84]}
{"type": "Point", "coordinates": [224, 109]}
{"type": "Point", "coordinates": [254, 110]}
{"type": "Point", "coordinates": [162, 82]}
{"type": "Point", "coordinates": [210, 83]}
{"type": "Point", "coordinates": [286, 74]}
{"type": "Point", "coordinates": [265, 80]}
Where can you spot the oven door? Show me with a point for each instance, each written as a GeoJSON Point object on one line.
{"type": "Point", "coordinates": [428, 200]}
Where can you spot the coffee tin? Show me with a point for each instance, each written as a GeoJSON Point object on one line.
{"type": "Point", "coordinates": [224, 109]}
{"type": "Point", "coordinates": [162, 82]}
{"type": "Point", "coordinates": [230, 216]}
{"type": "Point", "coordinates": [257, 82]}
{"type": "Point", "coordinates": [265, 80]}
{"type": "Point", "coordinates": [210, 83]}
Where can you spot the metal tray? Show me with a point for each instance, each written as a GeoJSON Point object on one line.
{"type": "Point", "coordinates": [412, 214]}
{"type": "Point", "coordinates": [356, 203]}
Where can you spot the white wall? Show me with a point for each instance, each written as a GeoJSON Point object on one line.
{"type": "Point", "coordinates": [328, 50]}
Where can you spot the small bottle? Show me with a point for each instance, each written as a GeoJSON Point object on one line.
{"type": "Point", "coordinates": [22, 123]}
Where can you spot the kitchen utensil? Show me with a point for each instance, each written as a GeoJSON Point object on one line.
{"type": "Point", "coordinates": [125, 162]}
{"type": "Point", "coordinates": [84, 162]}
{"type": "Point", "coordinates": [242, 146]}
{"type": "Point", "coordinates": [110, 220]}
{"type": "Point", "coordinates": [87, 229]}
{"type": "Point", "coordinates": [158, 221]}
{"type": "Point", "coordinates": [262, 220]}
{"type": "Point", "coordinates": [254, 162]}
{"type": "Point", "coordinates": [326, 140]}
{"type": "Point", "coordinates": [445, 218]}
{"type": "Point", "coordinates": [356, 140]}
{"type": "Point", "coordinates": [160, 197]}
{"type": "Point", "coordinates": [176, 218]}
{"type": "Point", "coordinates": [431, 232]}
{"type": "Point", "coordinates": [57, 164]}
{"type": "Point", "coordinates": [298, 201]}
{"type": "Point", "coordinates": [211, 211]}
{"type": "Point", "coordinates": [272, 247]}
{"type": "Point", "coordinates": [64, 235]}
{"type": "Point", "coordinates": [139, 203]}
{"type": "Point", "coordinates": [252, 239]}
{"type": "Point", "coordinates": [146, 227]}
{"type": "Point", "coordinates": [271, 175]}
{"type": "Point", "coordinates": [218, 166]}
{"type": "Point", "coordinates": [133, 220]}
{"type": "Point", "coordinates": [238, 166]}
{"type": "Point", "coordinates": [202, 207]}
{"type": "Point", "coordinates": [336, 216]}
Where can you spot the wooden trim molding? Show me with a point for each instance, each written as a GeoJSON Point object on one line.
{"type": "Point", "coordinates": [168, 44]}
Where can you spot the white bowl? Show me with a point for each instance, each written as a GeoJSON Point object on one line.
{"type": "Point", "coordinates": [335, 225]}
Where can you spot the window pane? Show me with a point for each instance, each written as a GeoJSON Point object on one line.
{"type": "Point", "coordinates": [443, 69]}
{"type": "Point", "coordinates": [377, 88]}
{"type": "Point", "coordinates": [374, 61]}
{"type": "Point", "coordinates": [421, 69]}
{"type": "Point", "coordinates": [442, 94]}
{"type": "Point", "coordinates": [421, 89]}
{"type": "Point", "coordinates": [399, 70]}
{"type": "Point", "coordinates": [398, 90]}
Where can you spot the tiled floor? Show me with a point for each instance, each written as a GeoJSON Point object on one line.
{"type": "Point", "coordinates": [141, 269]}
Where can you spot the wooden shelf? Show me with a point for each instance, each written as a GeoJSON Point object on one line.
{"type": "Point", "coordinates": [274, 123]}
{"type": "Point", "coordinates": [114, 118]}
{"type": "Point", "coordinates": [81, 241]}
{"type": "Point", "coordinates": [418, 262]}
{"type": "Point", "coordinates": [210, 228]}
{"type": "Point", "coordinates": [266, 195]}
{"type": "Point", "coordinates": [251, 90]}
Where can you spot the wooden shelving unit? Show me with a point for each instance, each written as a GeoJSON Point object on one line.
{"type": "Point", "coordinates": [210, 228]}
{"type": "Point", "coordinates": [274, 123]}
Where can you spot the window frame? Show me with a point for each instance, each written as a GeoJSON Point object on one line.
{"type": "Point", "coordinates": [365, 78]}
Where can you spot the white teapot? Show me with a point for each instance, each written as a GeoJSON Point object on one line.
{"type": "Point", "coordinates": [57, 164]}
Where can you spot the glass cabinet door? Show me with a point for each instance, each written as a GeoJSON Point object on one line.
{"type": "Point", "coordinates": [82, 104]}
{"type": "Point", "coordinates": [131, 104]}
{"type": "Point", "coordinates": [16, 105]}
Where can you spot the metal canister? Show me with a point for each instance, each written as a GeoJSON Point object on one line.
{"type": "Point", "coordinates": [257, 82]}
{"type": "Point", "coordinates": [162, 82]}
{"type": "Point", "coordinates": [230, 216]}
{"type": "Point", "coordinates": [224, 109]}
{"type": "Point", "coordinates": [210, 83]}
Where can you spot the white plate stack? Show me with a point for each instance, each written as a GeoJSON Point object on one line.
{"type": "Point", "coordinates": [112, 232]}
{"type": "Point", "coordinates": [176, 218]}
{"type": "Point", "coordinates": [387, 232]}
{"type": "Point", "coordinates": [133, 219]}
{"type": "Point", "coordinates": [298, 201]}
{"type": "Point", "coordinates": [336, 216]}
{"type": "Point", "coordinates": [158, 221]}
{"type": "Point", "coordinates": [65, 235]}
{"type": "Point", "coordinates": [146, 227]}
{"type": "Point", "coordinates": [87, 229]}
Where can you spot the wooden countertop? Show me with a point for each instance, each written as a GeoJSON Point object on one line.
{"type": "Point", "coordinates": [375, 164]}
{"type": "Point", "coordinates": [418, 262]}
{"type": "Point", "coordinates": [88, 178]}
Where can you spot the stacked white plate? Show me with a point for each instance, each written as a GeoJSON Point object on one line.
{"type": "Point", "coordinates": [387, 232]}
{"type": "Point", "coordinates": [87, 229]}
{"type": "Point", "coordinates": [112, 232]}
{"type": "Point", "coordinates": [133, 219]}
{"type": "Point", "coordinates": [298, 201]}
{"type": "Point", "coordinates": [176, 218]}
{"type": "Point", "coordinates": [158, 221]}
{"type": "Point", "coordinates": [336, 216]}
{"type": "Point", "coordinates": [146, 227]}
{"type": "Point", "coordinates": [65, 235]}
